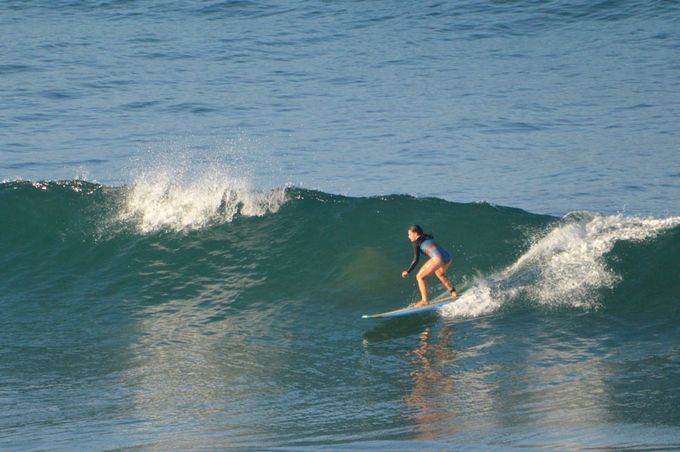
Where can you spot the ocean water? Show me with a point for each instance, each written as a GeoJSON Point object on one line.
{"type": "Point", "coordinates": [200, 199]}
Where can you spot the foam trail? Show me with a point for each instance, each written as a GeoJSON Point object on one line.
{"type": "Point", "coordinates": [565, 267]}
{"type": "Point", "coordinates": [478, 300]}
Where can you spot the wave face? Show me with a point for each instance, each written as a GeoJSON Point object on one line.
{"type": "Point", "coordinates": [237, 312]}
{"type": "Point", "coordinates": [501, 254]}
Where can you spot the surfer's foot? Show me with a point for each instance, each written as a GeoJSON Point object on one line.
{"type": "Point", "coordinates": [421, 303]}
{"type": "Point", "coordinates": [454, 293]}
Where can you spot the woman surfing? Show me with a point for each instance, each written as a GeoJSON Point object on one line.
{"type": "Point", "coordinates": [439, 262]}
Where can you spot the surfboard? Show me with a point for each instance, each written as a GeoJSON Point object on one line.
{"type": "Point", "coordinates": [410, 310]}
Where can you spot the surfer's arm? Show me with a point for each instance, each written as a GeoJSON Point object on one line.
{"type": "Point", "coordinates": [416, 258]}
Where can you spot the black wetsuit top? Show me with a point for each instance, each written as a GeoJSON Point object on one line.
{"type": "Point", "coordinates": [426, 244]}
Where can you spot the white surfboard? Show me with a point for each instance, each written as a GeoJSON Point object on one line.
{"type": "Point", "coordinates": [410, 310]}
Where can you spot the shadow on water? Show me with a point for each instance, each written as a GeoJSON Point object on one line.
{"type": "Point", "coordinates": [400, 327]}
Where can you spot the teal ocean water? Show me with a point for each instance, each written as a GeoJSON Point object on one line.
{"type": "Point", "coordinates": [130, 321]}
{"type": "Point", "coordinates": [200, 199]}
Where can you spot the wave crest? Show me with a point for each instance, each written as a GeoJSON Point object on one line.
{"type": "Point", "coordinates": [161, 203]}
{"type": "Point", "coordinates": [567, 266]}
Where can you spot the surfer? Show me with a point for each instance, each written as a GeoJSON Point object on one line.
{"type": "Point", "coordinates": [439, 262]}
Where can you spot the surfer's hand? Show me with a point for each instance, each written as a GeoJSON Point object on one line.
{"type": "Point", "coordinates": [404, 274]}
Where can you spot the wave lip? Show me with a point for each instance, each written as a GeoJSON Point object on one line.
{"type": "Point", "coordinates": [160, 203]}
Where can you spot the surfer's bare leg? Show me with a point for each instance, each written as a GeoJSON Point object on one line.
{"type": "Point", "coordinates": [425, 271]}
{"type": "Point", "coordinates": [441, 274]}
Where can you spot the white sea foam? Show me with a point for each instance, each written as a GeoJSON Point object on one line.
{"type": "Point", "coordinates": [181, 195]}
{"type": "Point", "coordinates": [480, 299]}
{"type": "Point", "coordinates": [564, 267]}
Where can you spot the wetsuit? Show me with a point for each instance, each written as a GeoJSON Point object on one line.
{"type": "Point", "coordinates": [426, 244]}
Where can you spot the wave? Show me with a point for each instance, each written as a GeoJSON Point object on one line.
{"type": "Point", "coordinates": [214, 239]}
{"type": "Point", "coordinates": [567, 264]}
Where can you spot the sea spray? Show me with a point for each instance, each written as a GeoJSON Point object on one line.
{"type": "Point", "coordinates": [161, 204]}
{"type": "Point", "coordinates": [176, 192]}
{"type": "Point", "coordinates": [565, 265]}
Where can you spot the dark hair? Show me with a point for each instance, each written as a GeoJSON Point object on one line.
{"type": "Point", "coordinates": [417, 229]}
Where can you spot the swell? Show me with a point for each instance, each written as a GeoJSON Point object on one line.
{"type": "Point", "coordinates": [75, 242]}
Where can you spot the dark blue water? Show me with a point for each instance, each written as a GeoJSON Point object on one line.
{"type": "Point", "coordinates": [548, 106]}
{"type": "Point", "coordinates": [199, 200]}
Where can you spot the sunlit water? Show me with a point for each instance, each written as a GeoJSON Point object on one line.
{"type": "Point", "coordinates": [198, 293]}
